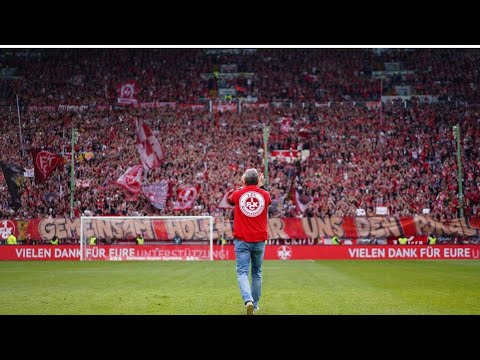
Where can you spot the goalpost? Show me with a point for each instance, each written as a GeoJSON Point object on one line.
{"type": "Point", "coordinates": [115, 238]}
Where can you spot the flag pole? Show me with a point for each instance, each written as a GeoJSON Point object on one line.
{"type": "Point", "coordinates": [456, 133]}
{"type": "Point", "coordinates": [266, 133]}
{"type": "Point", "coordinates": [381, 103]}
{"type": "Point", "coordinates": [72, 172]}
{"type": "Point", "coordinates": [20, 128]}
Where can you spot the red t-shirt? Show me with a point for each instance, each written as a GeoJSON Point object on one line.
{"type": "Point", "coordinates": [250, 213]}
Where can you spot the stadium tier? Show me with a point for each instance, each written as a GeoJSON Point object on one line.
{"type": "Point", "coordinates": [168, 132]}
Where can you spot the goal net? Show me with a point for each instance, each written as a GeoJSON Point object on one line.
{"type": "Point", "coordinates": [164, 238]}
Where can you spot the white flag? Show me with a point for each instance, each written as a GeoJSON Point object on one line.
{"type": "Point", "coordinates": [224, 204]}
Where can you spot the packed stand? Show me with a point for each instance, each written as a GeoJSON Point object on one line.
{"type": "Point", "coordinates": [401, 157]}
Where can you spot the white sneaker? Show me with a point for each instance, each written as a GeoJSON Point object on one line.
{"type": "Point", "coordinates": [250, 307]}
{"type": "Point", "coordinates": [256, 308]}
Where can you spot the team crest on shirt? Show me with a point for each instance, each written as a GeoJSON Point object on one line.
{"type": "Point", "coordinates": [252, 203]}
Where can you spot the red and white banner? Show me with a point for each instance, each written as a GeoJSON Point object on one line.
{"type": "Point", "coordinates": [255, 105]}
{"type": "Point", "coordinates": [127, 92]}
{"type": "Point", "coordinates": [193, 106]}
{"type": "Point", "coordinates": [156, 104]}
{"type": "Point", "coordinates": [371, 252]}
{"type": "Point", "coordinates": [286, 155]}
{"type": "Point", "coordinates": [77, 108]}
{"type": "Point", "coordinates": [44, 163]}
{"type": "Point", "coordinates": [48, 108]}
{"type": "Point", "coordinates": [131, 179]}
{"type": "Point", "coordinates": [112, 252]}
{"type": "Point", "coordinates": [224, 107]}
{"type": "Point", "coordinates": [227, 252]}
{"type": "Point", "coordinates": [282, 231]}
{"type": "Point", "coordinates": [82, 108]}
{"type": "Point", "coordinates": [148, 147]}
{"type": "Point", "coordinates": [185, 197]}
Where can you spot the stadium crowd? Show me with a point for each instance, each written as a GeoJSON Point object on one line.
{"type": "Point", "coordinates": [402, 156]}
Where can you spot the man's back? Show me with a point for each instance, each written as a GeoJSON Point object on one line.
{"type": "Point", "coordinates": [250, 213]}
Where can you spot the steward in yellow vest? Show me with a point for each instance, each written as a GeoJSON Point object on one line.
{"type": "Point", "coordinates": [11, 240]}
{"type": "Point", "coordinates": [336, 241]}
{"type": "Point", "coordinates": [403, 240]}
{"type": "Point", "coordinates": [139, 240]}
{"type": "Point", "coordinates": [54, 241]}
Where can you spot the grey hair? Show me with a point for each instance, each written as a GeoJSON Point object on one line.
{"type": "Point", "coordinates": [251, 177]}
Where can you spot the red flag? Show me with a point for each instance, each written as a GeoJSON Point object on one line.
{"type": "Point", "coordinates": [127, 92]}
{"type": "Point", "coordinates": [131, 179]}
{"type": "Point", "coordinates": [186, 197]}
{"type": "Point", "coordinates": [149, 148]}
{"type": "Point", "coordinates": [44, 163]}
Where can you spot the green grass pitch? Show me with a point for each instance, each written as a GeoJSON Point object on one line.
{"type": "Point", "coordinates": [204, 287]}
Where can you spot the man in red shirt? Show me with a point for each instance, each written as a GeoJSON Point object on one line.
{"type": "Point", "coordinates": [250, 231]}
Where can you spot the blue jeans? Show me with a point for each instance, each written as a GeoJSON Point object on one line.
{"type": "Point", "coordinates": [246, 253]}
